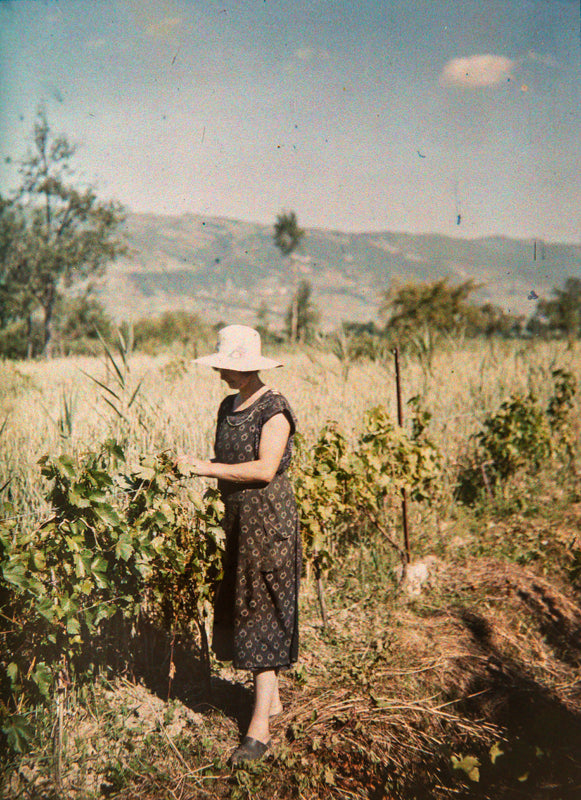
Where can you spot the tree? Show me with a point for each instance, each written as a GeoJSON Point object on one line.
{"type": "Point", "coordinates": [305, 314]}
{"type": "Point", "coordinates": [53, 235]}
{"type": "Point", "coordinates": [435, 306]}
{"type": "Point", "coordinates": [81, 322]}
{"type": "Point", "coordinates": [287, 237]}
{"type": "Point", "coordinates": [16, 302]}
{"type": "Point", "coordinates": [560, 315]}
{"type": "Point", "coordinates": [492, 320]}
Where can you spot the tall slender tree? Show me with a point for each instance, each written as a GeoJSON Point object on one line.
{"type": "Point", "coordinates": [287, 237]}
{"type": "Point", "coordinates": [53, 234]}
{"type": "Point", "coordinates": [307, 314]}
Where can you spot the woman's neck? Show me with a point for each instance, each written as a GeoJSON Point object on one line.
{"type": "Point", "coordinates": [247, 392]}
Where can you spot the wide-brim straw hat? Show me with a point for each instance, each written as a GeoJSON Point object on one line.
{"type": "Point", "coordinates": [239, 349]}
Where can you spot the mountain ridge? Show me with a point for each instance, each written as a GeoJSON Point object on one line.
{"type": "Point", "coordinates": [225, 269]}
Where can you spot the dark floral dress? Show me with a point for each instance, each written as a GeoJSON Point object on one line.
{"type": "Point", "coordinates": [256, 605]}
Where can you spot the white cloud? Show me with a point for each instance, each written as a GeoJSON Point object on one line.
{"type": "Point", "coordinates": [476, 72]}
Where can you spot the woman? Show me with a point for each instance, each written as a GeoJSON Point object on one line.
{"type": "Point", "coordinates": [256, 606]}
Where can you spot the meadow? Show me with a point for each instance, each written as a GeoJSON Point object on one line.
{"type": "Point", "coordinates": [410, 688]}
{"type": "Point", "coordinates": [51, 407]}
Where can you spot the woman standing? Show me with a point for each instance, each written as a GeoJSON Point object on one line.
{"type": "Point", "coordinates": [256, 606]}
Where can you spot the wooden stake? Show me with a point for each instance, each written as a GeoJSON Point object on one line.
{"type": "Point", "coordinates": [404, 505]}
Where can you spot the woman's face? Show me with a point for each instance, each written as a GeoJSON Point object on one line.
{"type": "Point", "coordinates": [234, 379]}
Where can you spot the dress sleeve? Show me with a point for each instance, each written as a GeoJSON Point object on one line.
{"type": "Point", "coordinates": [278, 404]}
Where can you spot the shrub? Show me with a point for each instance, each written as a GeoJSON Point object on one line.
{"type": "Point", "coordinates": [519, 437]}
{"type": "Point", "coordinates": [121, 543]}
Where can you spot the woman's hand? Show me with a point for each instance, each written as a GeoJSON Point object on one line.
{"type": "Point", "coordinates": [273, 439]}
{"type": "Point", "coordinates": [194, 466]}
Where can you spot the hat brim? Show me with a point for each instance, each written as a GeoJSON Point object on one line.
{"type": "Point", "coordinates": [252, 364]}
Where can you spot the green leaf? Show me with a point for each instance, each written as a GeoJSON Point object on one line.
{"type": "Point", "coordinates": [12, 672]}
{"type": "Point", "coordinates": [38, 560]}
{"type": "Point", "coordinates": [14, 572]}
{"type": "Point", "coordinates": [76, 499]}
{"type": "Point", "coordinates": [18, 733]}
{"type": "Point", "coordinates": [68, 466]}
{"type": "Point", "coordinates": [46, 609]}
{"type": "Point", "coordinates": [73, 626]}
{"type": "Point", "coordinates": [115, 449]}
{"type": "Point", "coordinates": [469, 765]}
{"type": "Point", "coordinates": [107, 514]}
{"type": "Point", "coordinates": [42, 677]}
{"type": "Point", "coordinates": [124, 548]}
{"type": "Point", "coordinates": [104, 612]}
{"type": "Point", "coordinates": [495, 752]}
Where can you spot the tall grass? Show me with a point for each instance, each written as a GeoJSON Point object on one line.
{"type": "Point", "coordinates": [51, 407]}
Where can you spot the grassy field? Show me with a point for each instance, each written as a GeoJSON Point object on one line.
{"type": "Point", "coordinates": [460, 682]}
{"type": "Point", "coordinates": [53, 407]}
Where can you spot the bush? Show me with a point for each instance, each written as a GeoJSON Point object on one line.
{"type": "Point", "coordinates": [119, 544]}
{"type": "Point", "coordinates": [519, 437]}
{"type": "Point", "coordinates": [17, 342]}
{"type": "Point", "coordinates": [151, 334]}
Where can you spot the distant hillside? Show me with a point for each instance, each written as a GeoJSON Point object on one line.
{"type": "Point", "coordinates": [223, 269]}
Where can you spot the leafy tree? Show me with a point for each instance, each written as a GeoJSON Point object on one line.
{"type": "Point", "coordinates": [287, 237]}
{"type": "Point", "coordinates": [80, 321]}
{"type": "Point", "coordinates": [303, 313]}
{"type": "Point", "coordinates": [491, 320]}
{"type": "Point", "coordinates": [262, 318]}
{"type": "Point", "coordinates": [561, 314]}
{"type": "Point", "coordinates": [53, 234]}
{"type": "Point", "coordinates": [16, 302]}
{"type": "Point", "coordinates": [155, 332]}
{"type": "Point", "coordinates": [437, 306]}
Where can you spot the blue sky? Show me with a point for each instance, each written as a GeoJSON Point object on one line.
{"type": "Point", "coordinates": [401, 115]}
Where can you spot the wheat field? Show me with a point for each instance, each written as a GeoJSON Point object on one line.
{"type": "Point", "coordinates": [66, 405]}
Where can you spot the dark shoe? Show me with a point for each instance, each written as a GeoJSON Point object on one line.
{"type": "Point", "coordinates": [249, 750]}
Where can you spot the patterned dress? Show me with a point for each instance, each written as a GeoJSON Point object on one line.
{"type": "Point", "coordinates": [256, 605]}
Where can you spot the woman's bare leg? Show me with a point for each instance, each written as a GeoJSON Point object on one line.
{"type": "Point", "coordinates": [275, 705]}
{"type": "Point", "coordinates": [265, 690]}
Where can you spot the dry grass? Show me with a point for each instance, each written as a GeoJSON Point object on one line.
{"type": "Point", "coordinates": [177, 401]}
{"type": "Point", "coordinates": [483, 659]}
{"type": "Point", "coordinates": [480, 669]}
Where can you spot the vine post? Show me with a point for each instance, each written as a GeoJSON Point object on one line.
{"type": "Point", "coordinates": [404, 504]}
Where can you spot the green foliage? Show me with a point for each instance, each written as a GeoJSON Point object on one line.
{"type": "Point", "coordinates": [287, 237]}
{"type": "Point", "coordinates": [420, 317]}
{"type": "Point", "coordinates": [121, 542]}
{"type": "Point", "coordinates": [345, 494]}
{"type": "Point", "coordinates": [151, 334]}
{"type": "Point", "coordinates": [468, 765]}
{"type": "Point", "coordinates": [491, 320]}
{"type": "Point", "coordinates": [519, 438]}
{"type": "Point", "coordinates": [307, 314]}
{"type": "Point", "coordinates": [435, 306]}
{"type": "Point", "coordinates": [559, 412]}
{"type": "Point", "coordinates": [21, 338]}
{"type": "Point", "coordinates": [287, 233]}
{"type": "Point", "coordinates": [121, 394]}
{"type": "Point", "coordinates": [80, 322]}
{"type": "Point", "coordinates": [53, 234]}
{"type": "Point", "coordinates": [517, 435]}
{"type": "Point", "coordinates": [561, 314]}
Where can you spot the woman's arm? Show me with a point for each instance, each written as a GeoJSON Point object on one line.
{"type": "Point", "coordinates": [273, 439]}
